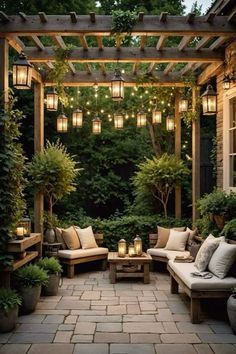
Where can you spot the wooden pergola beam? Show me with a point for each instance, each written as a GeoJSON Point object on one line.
{"type": "Point", "coordinates": [16, 43]}
{"type": "Point", "coordinates": [209, 72]}
{"type": "Point", "coordinates": [43, 24]}
{"type": "Point", "coordinates": [161, 42]}
{"type": "Point", "coordinates": [109, 54]}
{"type": "Point", "coordinates": [184, 42]}
{"type": "Point", "coordinates": [202, 42]}
{"type": "Point", "coordinates": [61, 44]}
{"type": "Point", "coordinates": [37, 42]}
{"type": "Point", "coordinates": [168, 69]}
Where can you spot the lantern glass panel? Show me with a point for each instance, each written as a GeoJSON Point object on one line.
{"type": "Point", "coordinates": [118, 121]}
{"type": "Point", "coordinates": [117, 87]}
{"type": "Point", "coordinates": [122, 248]}
{"type": "Point", "coordinates": [77, 118]}
{"type": "Point", "coordinates": [170, 124]}
{"type": "Point", "coordinates": [183, 105]}
{"type": "Point", "coordinates": [141, 119]}
{"type": "Point", "coordinates": [138, 248]}
{"type": "Point", "coordinates": [96, 125]}
{"type": "Point", "coordinates": [209, 105]}
{"type": "Point", "coordinates": [25, 223]}
{"type": "Point", "coordinates": [156, 116]}
{"type": "Point", "coordinates": [22, 75]}
{"type": "Point", "coordinates": [62, 123]}
{"type": "Point", "coordinates": [52, 100]}
{"type": "Point", "coordinates": [131, 251]}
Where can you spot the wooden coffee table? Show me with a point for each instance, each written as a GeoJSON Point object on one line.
{"type": "Point", "coordinates": [133, 267]}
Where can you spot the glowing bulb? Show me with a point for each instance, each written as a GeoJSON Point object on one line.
{"type": "Point", "coordinates": [96, 95]}
{"type": "Point", "coordinates": [88, 112]}
{"type": "Point", "coordinates": [72, 98]}
{"type": "Point", "coordinates": [87, 103]}
{"type": "Point", "coordinates": [102, 110]}
{"type": "Point", "coordinates": [132, 93]}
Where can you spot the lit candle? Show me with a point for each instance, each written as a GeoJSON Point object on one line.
{"type": "Point", "coordinates": [20, 232]}
{"type": "Point", "coordinates": [131, 251]}
{"type": "Point", "coordinates": [138, 246]}
{"type": "Point", "coordinates": [122, 248]}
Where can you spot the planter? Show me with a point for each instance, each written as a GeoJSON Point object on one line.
{"type": "Point", "coordinates": [231, 309]}
{"type": "Point", "coordinates": [49, 235]}
{"type": "Point", "coordinates": [8, 320]}
{"type": "Point", "coordinates": [51, 289]}
{"type": "Point", "coordinates": [30, 298]}
{"type": "Point", "coordinates": [220, 221]}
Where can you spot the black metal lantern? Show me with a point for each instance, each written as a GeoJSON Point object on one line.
{"type": "Point", "coordinates": [62, 123]}
{"type": "Point", "coordinates": [226, 82]}
{"type": "Point", "coordinates": [118, 121]}
{"type": "Point", "coordinates": [52, 100]}
{"type": "Point", "coordinates": [170, 123]}
{"type": "Point", "coordinates": [156, 116]}
{"type": "Point", "coordinates": [141, 119]}
{"type": "Point", "coordinates": [209, 101]}
{"type": "Point", "coordinates": [183, 105]}
{"type": "Point", "coordinates": [77, 118]}
{"type": "Point", "coordinates": [25, 223]}
{"type": "Point", "coordinates": [96, 125]}
{"type": "Point", "coordinates": [22, 73]}
{"type": "Point", "coordinates": [117, 86]}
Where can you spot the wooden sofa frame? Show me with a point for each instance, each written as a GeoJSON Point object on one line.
{"type": "Point", "coordinates": [70, 263]}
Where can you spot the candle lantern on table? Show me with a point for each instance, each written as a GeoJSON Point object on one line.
{"type": "Point", "coordinates": [131, 251]}
{"type": "Point", "coordinates": [25, 222]}
{"type": "Point", "coordinates": [122, 248]}
{"type": "Point", "coordinates": [138, 248]}
{"type": "Point", "coordinates": [20, 232]}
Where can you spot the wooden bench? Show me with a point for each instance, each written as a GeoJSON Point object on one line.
{"type": "Point", "coordinates": [71, 262]}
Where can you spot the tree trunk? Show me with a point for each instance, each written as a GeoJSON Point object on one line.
{"type": "Point", "coordinates": [156, 146]}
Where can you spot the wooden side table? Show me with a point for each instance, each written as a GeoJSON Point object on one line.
{"type": "Point", "coordinates": [139, 267]}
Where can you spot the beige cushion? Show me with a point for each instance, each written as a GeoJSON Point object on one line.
{"type": "Point", "coordinates": [222, 259]}
{"type": "Point", "coordinates": [177, 240]}
{"type": "Point", "coordinates": [162, 252]}
{"type": "Point", "coordinates": [192, 233]}
{"type": "Point", "coordinates": [163, 235]}
{"type": "Point", "coordinates": [80, 253]}
{"type": "Point", "coordinates": [59, 237]}
{"type": "Point", "coordinates": [183, 270]}
{"type": "Point", "coordinates": [71, 238]}
{"type": "Point", "coordinates": [86, 237]}
{"type": "Point", "coordinates": [206, 251]}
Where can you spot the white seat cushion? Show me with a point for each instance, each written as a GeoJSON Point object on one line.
{"type": "Point", "coordinates": [80, 253]}
{"type": "Point", "coordinates": [161, 252]}
{"type": "Point", "coordinates": [183, 271]}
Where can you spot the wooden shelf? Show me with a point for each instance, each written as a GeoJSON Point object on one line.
{"type": "Point", "coordinates": [20, 262]}
{"type": "Point", "coordinates": [22, 245]}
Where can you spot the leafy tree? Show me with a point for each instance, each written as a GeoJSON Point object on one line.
{"type": "Point", "coordinates": [160, 176]}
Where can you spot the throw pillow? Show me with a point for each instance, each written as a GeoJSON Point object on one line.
{"type": "Point", "coordinates": [86, 237]}
{"type": "Point", "coordinates": [222, 259]}
{"type": "Point", "coordinates": [192, 233]}
{"type": "Point", "coordinates": [177, 240]}
{"type": "Point", "coordinates": [206, 251]}
{"type": "Point", "coordinates": [59, 237]}
{"type": "Point", "coordinates": [71, 238]}
{"type": "Point", "coordinates": [163, 235]}
{"type": "Point", "coordinates": [194, 248]}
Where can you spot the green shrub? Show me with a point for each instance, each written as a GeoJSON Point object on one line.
{"type": "Point", "coordinates": [205, 227]}
{"type": "Point", "coordinates": [229, 230]}
{"type": "Point", "coordinates": [126, 227]}
{"type": "Point", "coordinates": [219, 203]}
{"type": "Point", "coordinates": [31, 276]}
{"type": "Point", "coordinates": [8, 299]}
{"type": "Point", "coordinates": [50, 265]}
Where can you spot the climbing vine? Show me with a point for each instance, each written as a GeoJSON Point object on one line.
{"type": "Point", "coordinates": [123, 23]}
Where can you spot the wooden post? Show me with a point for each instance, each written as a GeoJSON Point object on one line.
{"type": "Point", "coordinates": [4, 69]}
{"type": "Point", "coordinates": [177, 154]}
{"type": "Point", "coordinates": [38, 146]}
{"type": "Point", "coordinates": [195, 157]}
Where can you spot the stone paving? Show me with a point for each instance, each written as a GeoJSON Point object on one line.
{"type": "Point", "coordinates": [90, 315]}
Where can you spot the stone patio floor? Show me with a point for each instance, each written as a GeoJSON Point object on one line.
{"type": "Point", "coordinates": [90, 315]}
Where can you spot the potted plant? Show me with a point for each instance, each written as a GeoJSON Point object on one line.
{"type": "Point", "coordinates": [30, 279]}
{"type": "Point", "coordinates": [53, 269]}
{"type": "Point", "coordinates": [229, 230]}
{"type": "Point", "coordinates": [53, 172]}
{"type": "Point", "coordinates": [9, 306]}
{"type": "Point", "coordinates": [231, 309]}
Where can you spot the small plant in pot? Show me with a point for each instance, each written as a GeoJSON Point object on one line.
{"type": "Point", "coordinates": [9, 306]}
{"type": "Point", "coordinates": [231, 309]}
{"type": "Point", "coordinates": [53, 269]}
{"type": "Point", "coordinates": [30, 279]}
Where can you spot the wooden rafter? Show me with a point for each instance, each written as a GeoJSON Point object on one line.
{"type": "Point", "coordinates": [216, 44]}
{"type": "Point", "coordinates": [61, 44]}
{"type": "Point", "coordinates": [184, 42]}
{"type": "Point", "coordinates": [202, 42]}
{"type": "Point", "coordinates": [83, 42]}
{"type": "Point", "coordinates": [37, 42]}
{"type": "Point", "coordinates": [102, 68]}
{"type": "Point", "coordinates": [210, 71]}
{"type": "Point", "coordinates": [186, 69]}
{"type": "Point", "coordinates": [135, 68]}
{"type": "Point", "coordinates": [88, 68]}
{"type": "Point", "coordinates": [169, 68]}
{"type": "Point", "coordinates": [150, 68]}
{"type": "Point", "coordinates": [16, 43]}
{"type": "Point", "coordinates": [161, 42]}
{"type": "Point", "coordinates": [99, 42]}
{"type": "Point", "coordinates": [143, 42]}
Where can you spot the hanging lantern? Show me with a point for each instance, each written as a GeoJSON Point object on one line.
{"type": "Point", "coordinates": [117, 86]}
{"type": "Point", "coordinates": [22, 73]}
{"type": "Point", "coordinates": [156, 116]}
{"type": "Point", "coordinates": [138, 247]}
{"type": "Point", "coordinates": [209, 101]}
{"type": "Point", "coordinates": [96, 125]}
{"type": "Point", "coordinates": [52, 100]}
{"type": "Point", "coordinates": [141, 119]}
{"type": "Point", "coordinates": [77, 118]}
{"type": "Point", "coordinates": [122, 248]}
{"type": "Point", "coordinates": [118, 121]}
{"type": "Point", "coordinates": [226, 82]}
{"type": "Point", "coordinates": [170, 123]}
{"type": "Point", "coordinates": [62, 123]}
{"type": "Point", "coordinates": [183, 105]}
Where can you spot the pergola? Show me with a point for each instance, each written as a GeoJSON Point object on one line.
{"type": "Point", "coordinates": [201, 49]}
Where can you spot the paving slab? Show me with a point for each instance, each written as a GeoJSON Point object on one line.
{"type": "Point", "coordinates": [203, 349]}
{"type": "Point", "coordinates": [106, 337]}
{"type": "Point", "coordinates": [132, 349]}
{"type": "Point", "coordinates": [54, 319]}
{"type": "Point", "coordinates": [111, 318]}
{"type": "Point", "coordinates": [186, 327]}
{"type": "Point", "coordinates": [85, 328]}
{"type": "Point", "coordinates": [31, 318]}
{"type": "Point", "coordinates": [109, 327]}
{"type": "Point", "coordinates": [91, 348]}
{"type": "Point", "coordinates": [63, 336]}
{"type": "Point", "coordinates": [143, 327]}
{"type": "Point", "coordinates": [14, 348]}
{"type": "Point", "coordinates": [218, 338]}
{"type": "Point", "coordinates": [73, 305]}
{"type": "Point", "coordinates": [180, 338]}
{"type": "Point", "coordinates": [51, 349]}
{"type": "Point", "coordinates": [82, 338]}
{"type": "Point", "coordinates": [37, 328]}
{"type": "Point", "coordinates": [174, 349]}
{"type": "Point", "coordinates": [31, 338]}
{"type": "Point", "coordinates": [144, 338]}
{"type": "Point", "coordinates": [4, 337]}
{"type": "Point", "coordinates": [223, 348]}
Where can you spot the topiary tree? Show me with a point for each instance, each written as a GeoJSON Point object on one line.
{"type": "Point", "coordinates": [159, 176]}
{"type": "Point", "coordinates": [53, 172]}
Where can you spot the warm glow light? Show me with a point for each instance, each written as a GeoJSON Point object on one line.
{"type": "Point", "coordinates": [209, 101]}
{"type": "Point", "coordinates": [117, 86]}
{"type": "Point", "coordinates": [141, 119]}
{"type": "Point", "coordinates": [52, 100]}
{"type": "Point", "coordinates": [170, 123]}
{"type": "Point", "coordinates": [122, 248]}
{"type": "Point", "coordinates": [77, 118]}
{"type": "Point", "coordinates": [226, 82]}
{"type": "Point", "coordinates": [62, 123]}
{"type": "Point", "coordinates": [22, 73]}
{"type": "Point", "coordinates": [138, 247]}
{"type": "Point", "coordinates": [156, 116]}
{"type": "Point", "coordinates": [96, 125]}
{"type": "Point", "coordinates": [183, 105]}
{"type": "Point", "coordinates": [131, 251]}
{"type": "Point", "coordinates": [118, 121]}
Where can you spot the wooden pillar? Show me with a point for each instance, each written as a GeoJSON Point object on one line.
{"type": "Point", "coordinates": [195, 156]}
{"type": "Point", "coordinates": [177, 154]}
{"type": "Point", "coordinates": [4, 69]}
{"type": "Point", "coordinates": [38, 146]}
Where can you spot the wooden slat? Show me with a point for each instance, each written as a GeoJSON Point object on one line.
{"type": "Point", "coordinates": [43, 17]}
{"type": "Point", "coordinates": [232, 17]}
{"type": "Point", "coordinates": [150, 68]}
{"type": "Point", "coordinates": [88, 67]}
{"type": "Point", "coordinates": [169, 68]}
{"type": "Point", "coordinates": [59, 42]}
{"type": "Point", "coordinates": [184, 42]}
{"type": "Point", "coordinates": [177, 153]}
{"type": "Point", "coordinates": [92, 17]}
{"type": "Point", "coordinates": [99, 42]}
{"type": "Point", "coordinates": [20, 262]}
{"type": "Point", "coordinates": [190, 18]}
{"type": "Point", "coordinates": [4, 17]}
{"type": "Point", "coordinates": [187, 68]}
{"type": "Point", "coordinates": [110, 54]}
{"type": "Point", "coordinates": [103, 68]}
{"type": "Point", "coordinates": [36, 77]}
{"type": "Point", "coordinates": [143, 42]}
{"type": "Point", "coordinates": [210, 71]}
{"type": "Point", "coordinates": [202, 42]}
{"type": "Point", "coordinates": [140, 16]}
{"type": "Point", "coordinates": [83, 42]}
{"type": "Point", "coordinates": [210, 17]}
{"type": "Point", "coordinates": [161, 42]}
{"type": "Point", "coordinates": [218, 43]}
{"type": "Point", "coordinates": [135, 68]}
{"type": "Point", "coordinates": [163, 16]}
{"type": "Point", "coordinates": [23, 16]}
{"type": "Point", "coordinates": [22, 245]}
{"type": "Point", "coordinates": [73, 17]}
{"type": "Point", "coordinates": [72, 68]}
{"type": "Point", "coordinates": [50, 65]}
{"type": "Point", "coordinates": [4, 77]}
{"type": "Point", "coordinates": [37, 42]}
{"type": "Point", "coordinates": [16, 43]}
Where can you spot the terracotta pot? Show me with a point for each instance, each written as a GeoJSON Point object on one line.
{"type": "Point", "coordinates": [8, 320]}
{"type": "Point", "coordinates": [231, 309]}
{"type": "Point", "coordinates": [51, 289]}
{"type": "Point", "coordinates": [220, 221]}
